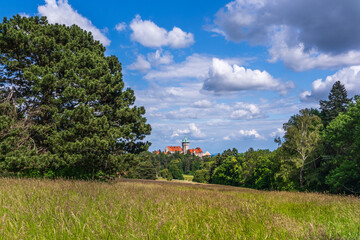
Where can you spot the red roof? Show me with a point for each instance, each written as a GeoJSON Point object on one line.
{"type": "Point", "coordinates": [174, 148]}
{"type": "Point", "coordinates": [196, 150]}
{"type": "Point", "coordinates": [156, 152]}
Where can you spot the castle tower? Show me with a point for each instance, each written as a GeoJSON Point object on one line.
{"type": "Point", "coordinates": [185, 145]}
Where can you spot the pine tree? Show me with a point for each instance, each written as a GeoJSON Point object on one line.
{"type": "Point", "coordinates": [71, 95]}
{"type": "Point", "coordinates": [336, 104]}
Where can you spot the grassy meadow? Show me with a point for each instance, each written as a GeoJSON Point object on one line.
{"type": "Point", "coordinates": [188, 177]}
{"type": "Point", "coordinates": [136, 209]}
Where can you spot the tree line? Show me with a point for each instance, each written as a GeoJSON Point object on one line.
{"type": "Point", "coordinates": [320, 151]}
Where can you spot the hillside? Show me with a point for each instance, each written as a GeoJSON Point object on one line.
{"type": "Point", "coordinates": [137, 209]}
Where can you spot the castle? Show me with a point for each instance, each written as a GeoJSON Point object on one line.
{"type": "Point", "coordinates": [185, 149]}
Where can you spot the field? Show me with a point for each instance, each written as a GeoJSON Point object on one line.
{"type": "Point", "coordinates": [188, 177]}
{"type": "Point", "coordinates": [136, 209]}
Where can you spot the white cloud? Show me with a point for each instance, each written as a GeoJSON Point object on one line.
{"type": "Point", "coordinates": [202, 104]}
{"type": "Point", "coordinates": [227, 138]}
{"type": "Point", "coordinates": [61, 12]}
{"type": "Point", "coordinates": [195, 131]}
{"type": "Point", "coordinates": [246, 111]}
{"type": "Point", "coordinates": [149, 34]}
{"type": "Point", "coordinates": [158, 58]}
{"type": "Point", "coordinates": [121, 26]}
{"type": "Point", "coordinates": [349, 77]}
{"type": "Point", "coordinates": [191, 129]}
{"type": "Point", "coordinates": [244, 134]}
{"type": "Point", "coordinates": [297, 58]}
{"type": "Point", "coordinates": [235, 16]}
{"type": "Point", "coordinates": [278, 133]}
{"type": "Point", "coordinates": [224, 77]}
{"type": "Point", "coordinates": [141, 64]}
{"type": "Point", "coordinates": [194, 66]}
{"type": "Point", "coordinates": [180, 132]}
{"type": "Point", "coordinates": [251, 133]}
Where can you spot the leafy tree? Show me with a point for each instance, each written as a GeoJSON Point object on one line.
{"type": "Point", "coordinates": [228, 173]}
{"type": "Point", "coordinates": [70, 97]}
{"type": "Point", "coordinates": [343, 135]}
{"type": "Point", "coordinates": [146, 170]}
{"type": "Point", "coordinates": [336, 104]}
{"type": "Point", "coordinates": [175, 170]}
{"type": "Point", "coordinates": [165, 173]}
{"type": "Point", "coordinates": [302, 137]}
{"type": "Point", "coordinates": [201, 176]}
{"type": "Point", "coordinates": [256, 169]}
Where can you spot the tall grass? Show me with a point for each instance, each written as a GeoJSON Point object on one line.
{"type": "Point", "coordinates": [60, 209]}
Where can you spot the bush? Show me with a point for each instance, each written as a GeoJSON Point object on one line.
{"type": "Point", "coordinates": [146, 170]}
{"type": "Point", "coordinates": [175, 171]}
{"type": "Point", "coordinates": [201, 176]}
{"type": "Point", "coordinates": [165, 173]}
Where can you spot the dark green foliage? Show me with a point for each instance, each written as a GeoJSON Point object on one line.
{"type": "Point", "coordinates": [336, 104]}
{"type": "Point", "coordinates": [146, 170]}
{"type": "Point", "coordinates": [201, 176]}
{"type": "Point", "coordinates": [165, 173]}
{"type": "Point", "coordinates": [254, 168]}
{"type": "Point", "coordinates": [227, 173]}
{"type": "Point", "coordinates": [343, 135]}
{"type": "Point", "coordinates": [187, 163]}
{"type": "Point", "coordinates": [175, 170]}
{"type": "Point", "coordinates": [72, 112]}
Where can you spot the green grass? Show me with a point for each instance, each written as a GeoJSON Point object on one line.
{"type": "Point", "coordinates": [45, 209]}
{"type": "Point", "coordinates": [188, 177]}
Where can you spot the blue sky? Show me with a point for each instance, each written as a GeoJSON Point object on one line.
{"type": "Point", "coordinates": [223, 73]}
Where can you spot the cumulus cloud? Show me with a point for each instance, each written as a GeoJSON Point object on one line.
{"type": "Point", "coordinates": [141, 64]}
{"type": "Point", "coordinates": [298, 58]}
{"type": "Point", "coordinates": [226, 77]}
{"type": "Point", "coordinates": [148, 34]}
{"type": "Point", "coordinates": [323, 33]}
{"type": "Point", "coordinates": [179, 132]}
{"type": "Point", "coordinates": [349, 77]}
{"type": "Point", "coordinates": [202, 104]}
{"type": "Point", "coordinates": [121, 26]}
{"type": "Point", "coordinates": [246, 111]}
{"type": "Point", "coordinates": [244, 134]}
{"type": "Point", "coordinates": [192, 129]}
{"type": "Point", "coordinates": [194, 66]}
{"type": "Point", "coordinates": [251, 133]}
{"type": "Point", "coordinates": [278, 133]}
{"type": "Point", "coordinates": [159, 57]}
{"type": "Point", "coordinates": [61, 12]}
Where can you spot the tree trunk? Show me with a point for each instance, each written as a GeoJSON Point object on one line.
{"type": "Point", "coordinates": [302, 177]}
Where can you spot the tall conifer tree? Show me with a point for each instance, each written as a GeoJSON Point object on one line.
{"type": "Point", "coordinates": [336, 104]}
{"type": "Point", "coordinates": [59, 79]}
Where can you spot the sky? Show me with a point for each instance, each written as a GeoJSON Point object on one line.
{"type": "Point", "coordinates": [223, 73]}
